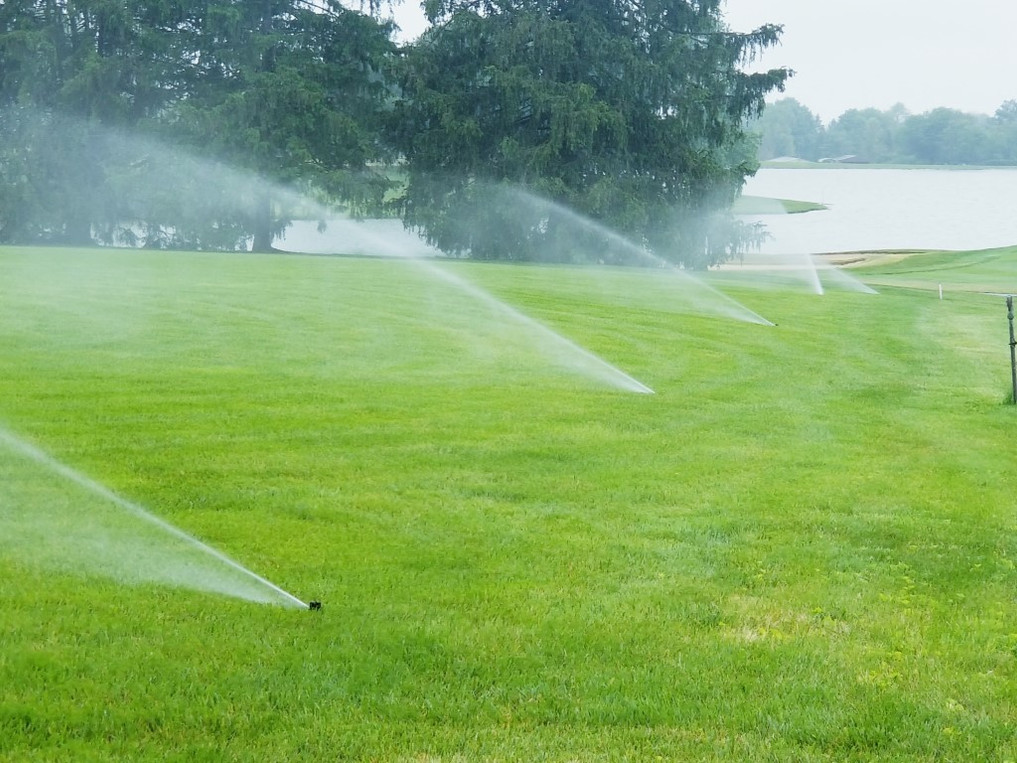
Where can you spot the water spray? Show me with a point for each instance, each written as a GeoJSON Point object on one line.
{"type": "Point", "coordinates": [700, 293]}
{"type": "Point", "coordinates": [270, 591]}
{"type": "Point", "coordinates": [580, 356]}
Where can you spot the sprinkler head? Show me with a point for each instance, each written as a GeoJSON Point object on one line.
{"type": "Point", "coordinates": [314, 605]}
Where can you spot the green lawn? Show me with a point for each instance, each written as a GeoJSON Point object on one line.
{"type": "Point", "coordinates": [800, 548]}
{"type": "Point", "coordinates": [761, 205]}
{"type": "Point", "coordinates": [989, 270]}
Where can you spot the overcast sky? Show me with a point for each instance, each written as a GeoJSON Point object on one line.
{"type": "Point", "coordinates": [859, 53]}
{"type": "Point", "coordinates": [851, 54]}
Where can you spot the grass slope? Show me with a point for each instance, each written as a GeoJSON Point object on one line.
{"type": "Point", "coordinates": [762, 205]}
{"type": "Point", "coordinates": [800, 548]}
{"type": "Point", "coordinates": [989, 270]}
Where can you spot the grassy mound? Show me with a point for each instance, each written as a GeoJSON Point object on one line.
{"type": "Point", "coordinates": [989, 270]}
{"type": "Point", "coordinates": [762, 205]}
{"type": "Point", "coordinates": [801, 547]}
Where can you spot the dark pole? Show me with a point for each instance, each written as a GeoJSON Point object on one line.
{"type": "Point", "coordinates": [1013, 347]}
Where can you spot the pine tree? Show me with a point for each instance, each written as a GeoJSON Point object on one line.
{"type": "Point", "coordinates": [629, 112]}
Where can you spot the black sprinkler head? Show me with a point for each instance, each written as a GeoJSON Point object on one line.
{"type": "Point", "coordinates": [316, 605]}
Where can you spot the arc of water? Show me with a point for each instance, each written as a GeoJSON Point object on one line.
{"type": "Point", "coordinates": [731, 307]}
{"type": "Point", "coordinates": [585, 359]}
{"type": "Point", "coordinates": [812, 272]}
{"type": "Point", "coordinates": [601, 367]}
{"type": "Point", "coordinates": [844, 279]}
{"type": "Point", "coordinates": [41, 457]}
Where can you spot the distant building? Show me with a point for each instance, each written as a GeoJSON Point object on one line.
{"type": "Point", "coordinates": [846, 159]}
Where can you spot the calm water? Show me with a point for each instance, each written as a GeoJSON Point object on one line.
{"type": "Point", "coordinates": [871, 209]}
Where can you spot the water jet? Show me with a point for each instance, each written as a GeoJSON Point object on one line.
{"type": "Point", "coordinates": [393, 245]}
{"type": "Point", "coordinates": [699, 295]}
{"type": "Point", "coordinates": [153, 550]}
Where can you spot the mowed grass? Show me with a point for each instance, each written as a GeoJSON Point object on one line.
{"type": "Point", "coordinates": [800, 548]}
{"type": "Point", "coordinates": [988, 270]}
{"type": "Point", "coordinates": [762, 205]}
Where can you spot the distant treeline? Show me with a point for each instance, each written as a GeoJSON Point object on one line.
{"type": "Point", "coordinates": [940, 136]}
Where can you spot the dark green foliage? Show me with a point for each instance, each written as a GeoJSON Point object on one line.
{"type": "Point", "coordinates": [113, 61]}
{"type": "Point", "coordinates": [940, 136]}
{"type": "Point", "coordinates": [46, 174]}
{"type": "Point", "coordinates": [293, 95]}
{"type": "Point", "coordinates": [69, 70]}
{"type": "Point", "coordinates": [945, 136]}
{"type": "Point", "coordinates": [270, 87]}
{"type": "Point", "coordinates": [787, 128]}
{"type": "Point", "coordinates": [628, 113]}
{"type": "Point", "coordinates": [68, 180]}
{"type": "Point", "coordinates": [870, 134]}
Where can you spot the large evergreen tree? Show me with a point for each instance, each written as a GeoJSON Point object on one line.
{"type": "Point", "coordinates": [290, 91]}
{"type": "Point", "coordinates": [287, 91]}
{"type": "Point", "coordinates": [69, 71]}
{"type": "Point", "coordinates": [629, 112]}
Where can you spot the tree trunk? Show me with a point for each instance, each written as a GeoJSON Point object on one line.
{"type": "Point", "coordinates": [263, 224]}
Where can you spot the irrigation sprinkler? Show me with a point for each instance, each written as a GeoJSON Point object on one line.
{"type": "Point", "coordinates": [1013, 348]}
{"type": "Point", "coordinates": [314, 605]}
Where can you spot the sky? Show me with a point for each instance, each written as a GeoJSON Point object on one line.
{"type": "Point", "coordinates": [856, 54]}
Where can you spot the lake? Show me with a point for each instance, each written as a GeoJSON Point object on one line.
{"type": "Point", "coordinates": [873, 209]}
{"type": "Point", "coordinates": [869, 209]}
